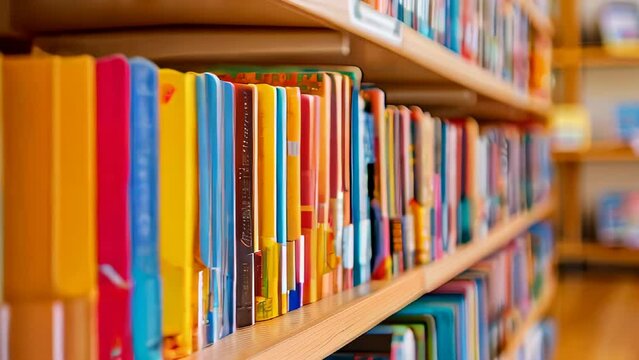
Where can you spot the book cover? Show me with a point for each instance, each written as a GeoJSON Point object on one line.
{"type": "Point", "coordinates": [178, 204]}
{"type": "Point", "coordinates": [378, 192]}
{"type": "Point", "coordinates": [228, 215]}
{"type": "Point", "coordinates": [143, 205]}
{"type": "Point", "coordinates": [203, 244]}
{"type": "Point", "coordinates": [281, 201]}
{"type": "Point", "coordinates": [246, 207]}
{"type": "Point", "coordinates": [295, 263]}
{"type": "Point", "coordinates": [267, 300]}
{"type": "Point", "coordinates": [309, 162]}
{"type": "Point", "coordinates": [214, 113]}
{"type": "Point", "coordinates": [113, 85]}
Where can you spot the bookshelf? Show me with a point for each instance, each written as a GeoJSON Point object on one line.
{"type": "Point", "coordinates": [594, 57]}
{"type": "Point", "coordinates": [538, 311]}
{"type": "Point", "coordinates": [593, 253]}
{"type": "Point", "coordinates": [191, 34]}
{"type": "Point", "coordinates": [318, 329]}
{"type": "Point", "coordinates": [572, 248]}
{"type": "Point", "coordinates": [385, 60]}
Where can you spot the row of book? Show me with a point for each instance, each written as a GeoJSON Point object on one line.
{"type": "Point", "coordinates": [494, 34]}
{"type": "Point", "coordinates": [473, 316]}
{"type": "Point", "coordinates": [618, 219]}
{"type": "Point", "coordinates": [187, 205]}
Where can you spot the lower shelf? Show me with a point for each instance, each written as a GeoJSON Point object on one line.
{"type": "Point", "coordinates": [319, 329]}
{"type": "Point", "coordinates": [596, 253]}
{"type": "Point", "coordinates": [536, 314]}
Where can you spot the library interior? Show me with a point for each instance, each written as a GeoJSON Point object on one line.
{"type": "Point", "coordinates": [319, 179]}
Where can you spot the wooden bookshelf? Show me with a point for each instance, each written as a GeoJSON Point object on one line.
{"type": "Point", "coordinates": [539, 310]}
{"type": "Point", "coordinates": [598, 152]}
{"type": "Point", "coordinates": [319, 329]}
{"type": "Point", "coordinates": [594, 253]}
{"type": "Point", "coordinates": [594, 57]}
{"type": "Point", "coordinates": [215, 26]}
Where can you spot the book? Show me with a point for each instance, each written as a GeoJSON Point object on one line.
{"type": "Point", "coordinates": [246, 206]}
{"type": "Point", "coordinates": [214, 117]}
{"type": "Point", "coordinates": [178, 203]}
{"type": "Point", "coordinates": [295, 260]}
{"type": "Point", "coordinates": [113, 86]}
{"type": "Point", "coordinates": [281, 200]}
{"type": "Point", "coordinates": [382, 263]}
{"type": "Point", "coordinates": [203, 243]}
{"type": "Point", "coordinates": [266, 283]}
{"type": "Point", "coordinates": [143, 206]}
{"type": "Point", "coordinates": [309, 162]}
{"type": "Point", "coordinates": [229, 196]}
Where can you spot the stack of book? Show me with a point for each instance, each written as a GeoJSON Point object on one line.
{"type": "Point", "coordinates": [472, 316]}
{"type": "Point", "coordinates": [150, 212]}
{"type": "Point", "coordinates": [492, 33]}
{"type": "Point", "coordinates": [618, 219]}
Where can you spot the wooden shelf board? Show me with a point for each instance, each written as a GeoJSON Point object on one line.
{"type": "Point", "coordinates": [596, 253]}
{"type": "Point", "coordinates": [413, 60]}
{"type": "Point", "coordinates": [593, 57]}
{"type": "Point", "coordinates": [598, 152]}
{"type": "Point", "coordinates": [319, 329]}
{"type": "Point", "coordinates": [539, 310]}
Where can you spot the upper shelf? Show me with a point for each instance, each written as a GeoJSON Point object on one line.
{"type": "Point", "coordinates": [595, 57]}
{"type": "Point", "coordinates": [598, 152]}
{"type": "Point", "coordinates": [394, 55]}
{"type": "Point", "coordinates": [317, 330]}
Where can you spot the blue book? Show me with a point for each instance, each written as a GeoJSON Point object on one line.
{"type": "Point", "coordinates": [280, 179]}
{"type": "Point", "coordinates": [214, 107]}
{"type": "Point", "coordinates": [228, 244]}
{"type": "Point", "coordinates": [362, 153]}
{"type": "Point", "coordinates": [444, 315]}
{"type": "Point", "coordinates": [458, 303]}
{"type": "Point", "coordinates": [143, 207]}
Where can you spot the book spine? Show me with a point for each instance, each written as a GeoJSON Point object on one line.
{"type": "Point", "coordinates": [143, 190]}
{"type": "Point", "coordinates": [245, 203]}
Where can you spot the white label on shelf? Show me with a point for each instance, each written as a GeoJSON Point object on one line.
{"type": "Point", "coordinates": [380, 25]}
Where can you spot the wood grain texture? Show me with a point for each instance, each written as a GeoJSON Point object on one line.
{"type": "Point", "coordinates": [597, 315]}
{"type": "Point", "coordinates": [596, 254]}
{"type": "Point", "coordinates": [317, 330]}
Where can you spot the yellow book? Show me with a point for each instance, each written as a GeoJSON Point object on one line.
{"type": "Point", "coordinates": [267, 301]}
{"type": "Point", "coordinates": [177, 206]}
{"type": "Point", "coordinates": [293, 195]}
{"type": "Point", "coordinates": [1, 194]}
{"type": "Point", "coordinates": [389, 117]}
{"type": "Point", "coordinates": [50, 193]}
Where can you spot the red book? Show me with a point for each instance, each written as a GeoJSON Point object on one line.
{"type": "Point", "coordinates": [114, 242]}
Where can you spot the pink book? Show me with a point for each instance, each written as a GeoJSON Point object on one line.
{"type": "Point", "coordinates": [114, 242]}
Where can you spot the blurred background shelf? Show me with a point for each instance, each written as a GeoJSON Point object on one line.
{"type": "Point", "coordinates": [595, 57]}
{"type": "Point", "coordinates": [598, 151]}
{"type": "Point", "coordinates": [316, 330]}
{"type": "Point", "coordinates": [594, 253]}
{"type": "Point", "coordinates": [190, 32]}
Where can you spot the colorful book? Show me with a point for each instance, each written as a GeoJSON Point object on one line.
{"type": "Point", "coordinates": [294, 239]}
{"type": "Point", "coordinates": [382, 262]}
{"type": "Point", "coordinates": [143, 207]}
{"type": "Point", "coordinates": [246, 205]}
{"type": "Point", "coordinates": [114, 235]}
{"type": "Point", "coordinates": [281, 200]}
{"type": "Point", "coordinates": [203, 243]}
{"type": "Point", "coordinates": [178, 189]}
{"type": "Point", "coordinates": [309, 162]}
{"type": "Point", "coordinates": [214, 114]}
{"type": "Point", "coordinates": [267, 289]}
{"type": "Point", "coordinates": [228, 215]}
